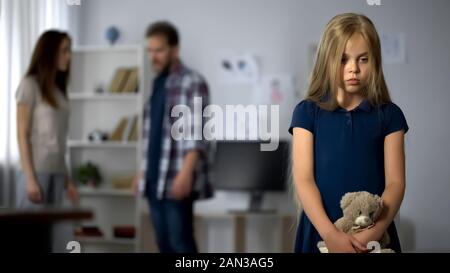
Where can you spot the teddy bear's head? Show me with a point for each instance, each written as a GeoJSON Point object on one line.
{"type": "Point", "coordinates": [362, 208]}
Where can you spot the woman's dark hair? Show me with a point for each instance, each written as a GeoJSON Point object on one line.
{"type": "Point", "coordinates": [43, 65]}
{"type": "Point", "coordinates": [165, 29]}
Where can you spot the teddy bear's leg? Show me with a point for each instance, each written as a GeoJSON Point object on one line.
{"type": "Point", "coordinates": [344, 224]}
{"type": "Point", "coordinates": [322, 247]}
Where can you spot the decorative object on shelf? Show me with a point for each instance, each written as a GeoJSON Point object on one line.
{"type": "Point", "coordinates": [99, 89]}
{"type": "Point", "coordinates": [88, 174]}
{"type": "Point", "coordinates": [88, 231]}
{"type": "Point", "coordinates": [97, 136]}
{"type": "Point", "coordinates": [124, 232]}
{"type": "Point", "coordinates": [122, 182]}
{"type": "Point", "coordinates": [112, 34]}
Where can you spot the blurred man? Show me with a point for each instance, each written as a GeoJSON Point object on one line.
{"type": "Point", "coordinates": [174, 171]}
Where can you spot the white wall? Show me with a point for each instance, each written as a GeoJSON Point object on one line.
{"type": "Point", "coordinates": [280, 32]}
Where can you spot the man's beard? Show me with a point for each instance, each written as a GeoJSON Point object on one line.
{"type": "Point", "coordinates": [163, 68]}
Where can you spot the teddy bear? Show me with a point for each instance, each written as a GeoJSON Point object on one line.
{"type": "Point", "coordinates": [360, 211]}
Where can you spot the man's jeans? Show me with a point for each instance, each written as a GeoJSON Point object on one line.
{"type": "Point", "coordinates": [173, 224]}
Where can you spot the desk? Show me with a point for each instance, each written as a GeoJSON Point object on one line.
{"type": "Point", "coordinates": [286, 235]}
{"type": "Point", "coordinates": [239, 220]}
{"type": "Point", "coordinates": [30, 230]}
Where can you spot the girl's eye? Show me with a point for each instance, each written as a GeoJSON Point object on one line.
{"type": "Point", "coordinates": [364, 60]}
{"type": "Point", "coordinates": [343, 60]}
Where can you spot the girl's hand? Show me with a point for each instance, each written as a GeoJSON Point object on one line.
{"type": "Point", "coordinates": [340, 242]}
{"type": "Point", "coordinates": [366, 236]}
{"type": "Point", "coordinates": [34, 191]}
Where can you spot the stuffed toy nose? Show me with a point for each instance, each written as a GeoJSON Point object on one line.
{"type": "Point", "coordinates": [363, 221]}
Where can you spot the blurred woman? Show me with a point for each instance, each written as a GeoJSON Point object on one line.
{"type": "Point", "coordinates": [42, 124]}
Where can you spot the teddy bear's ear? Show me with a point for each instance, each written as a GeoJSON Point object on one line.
{"type": "Point", "coordinates": [347, 199]}
{"type": "Point", "coordinates": [378, 198]}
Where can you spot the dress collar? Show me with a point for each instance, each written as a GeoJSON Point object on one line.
{"type": "Point", "coordinates": [364, 105]}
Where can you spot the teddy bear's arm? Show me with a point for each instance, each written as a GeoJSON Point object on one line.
{"type": "Point", "coordinates": [343, 224]}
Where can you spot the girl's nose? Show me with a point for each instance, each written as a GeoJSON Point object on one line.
{"type": "Point", "coordinates": [354, 68]}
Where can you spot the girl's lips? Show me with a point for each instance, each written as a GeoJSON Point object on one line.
{"type": "Point", "coordinates": [353, 82]}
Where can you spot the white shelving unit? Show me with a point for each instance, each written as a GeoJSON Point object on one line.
{"type": "Point", "coordinates": [106, 144]}
{"type": "Point", "coordinates": [93, 67]}
{"type": "Point", "coordinates": [106, 241]}
{"type": "Point", "coordinates": [93, 96]}
{"type": "Point", "coordinates": [105, 192]}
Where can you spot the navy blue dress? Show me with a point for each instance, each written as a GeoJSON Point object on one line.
{"type": "Point", "coordinates": [348, 157]}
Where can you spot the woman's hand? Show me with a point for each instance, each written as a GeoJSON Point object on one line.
{"type": "Point", "coordinates": [34, 191]}
{"type": "Point", "coordinates": [72, 192]}
{"type": "Point", "coordinates": [340, 242]}
{"type": "Point", "coordinates": [135, 184]}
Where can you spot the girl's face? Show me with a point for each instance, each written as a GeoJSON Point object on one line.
{"type": "Point", "coordinates": [355, 64]}
{"type": "Point", "coordinates": [64, 55]}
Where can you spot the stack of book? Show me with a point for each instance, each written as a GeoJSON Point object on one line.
{"type": "Point", "coordinates": [126, 130]}
{"type": "Point", "coordinates": [125, 80]}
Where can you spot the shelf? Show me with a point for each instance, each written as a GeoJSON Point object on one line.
{"type": "Point", "coordinates": [105, 240]}
{"type": "Point", "coordinates": [107, 96]}
{"type": "Point", "coordinates": [105, 48]}
{"type": "Point", "coordinates": [84, 191]}
{"type": "Point", "coordinates": [93, 67]}
{"type": "Point", "coordinates": [106, 144]}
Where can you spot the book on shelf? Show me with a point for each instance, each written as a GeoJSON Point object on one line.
{"type": "Point", "coordinates": [125, 80]}
{"type": "Point", "coordinates": [131, 84]}
{"type": "Point", "coordinates": [126, 129]}
{"type": "Point", "coordinates": [119, 130]}
{"type": "Point", "coordinates": [119, 80]}
{"type": "Point", "coordinates": [133, 136]}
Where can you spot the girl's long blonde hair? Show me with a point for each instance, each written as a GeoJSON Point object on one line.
{"type": "Point", "coordinates": [326, 77]}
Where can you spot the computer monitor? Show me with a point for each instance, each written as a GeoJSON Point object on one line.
{"type": "Point", "coordinates": [242, 166]}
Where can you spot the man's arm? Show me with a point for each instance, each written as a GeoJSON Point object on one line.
{"type": "Point", "coordinates": [194, 148]}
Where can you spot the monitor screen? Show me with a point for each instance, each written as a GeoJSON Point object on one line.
{"type": "Point", "coordinates": [242, 166]}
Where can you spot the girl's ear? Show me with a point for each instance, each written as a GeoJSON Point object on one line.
{"type": "Point", "coordinates": [347, 199]}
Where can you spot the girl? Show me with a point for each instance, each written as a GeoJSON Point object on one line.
{"type": "Point", "coordinates": [347, 136]}
{"type": "Point", "coordinates": [42, 118]}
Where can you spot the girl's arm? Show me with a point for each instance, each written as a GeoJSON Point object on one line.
{"type": "Point", "coordinates": [23, 135]}
{"type": "Point", "coordinates": [309, 195]}
{"type": "Point", "coordinates": [394, 166]}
